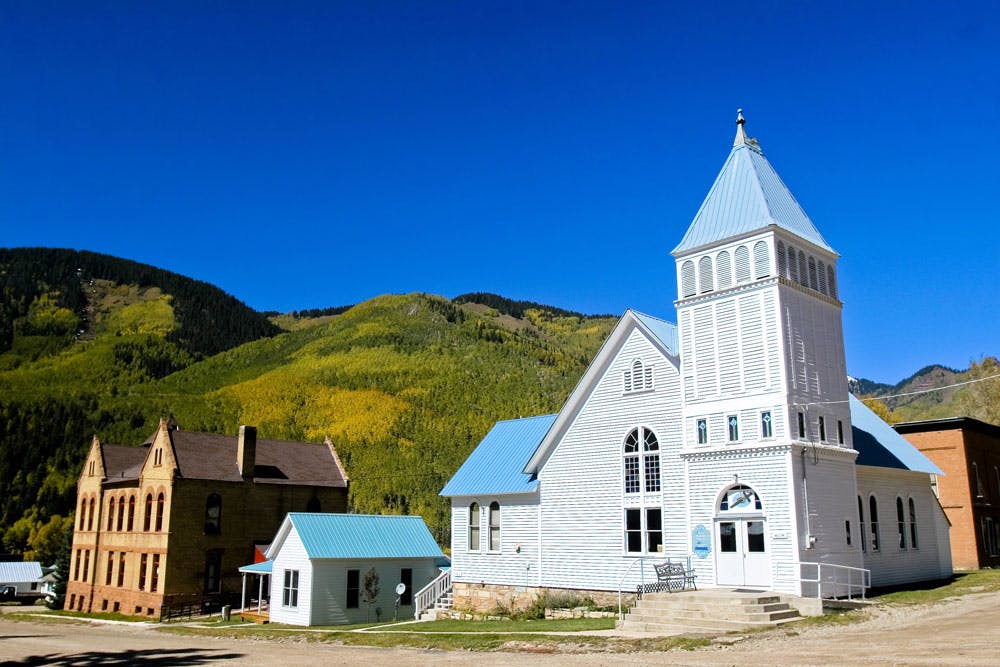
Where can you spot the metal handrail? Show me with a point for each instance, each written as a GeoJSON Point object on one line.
{"type": "Point", "coordinates": [642, 574]}
{"type": "Point", "coordinates": [431, 593]}
{"type": "Point", "coordinates": [865, 576]}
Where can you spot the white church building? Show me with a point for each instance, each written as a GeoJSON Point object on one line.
{"type": "Point", "coordinates": [728, 441]}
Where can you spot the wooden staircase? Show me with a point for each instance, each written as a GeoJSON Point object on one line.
{"type": "Point", "coordinates": [714, 611]}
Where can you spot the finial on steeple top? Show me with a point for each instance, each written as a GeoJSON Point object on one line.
{"type": "Point", "coordinates": [741, 137]}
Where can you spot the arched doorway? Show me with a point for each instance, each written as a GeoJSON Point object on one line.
{"type": "Point", "coordinates": [741, 549]}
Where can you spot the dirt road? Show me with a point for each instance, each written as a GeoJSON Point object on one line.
{"type": "Point", "coordinates": [961, 631]}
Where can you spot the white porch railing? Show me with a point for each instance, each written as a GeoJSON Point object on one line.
{"type": "Point", "coordinates": [641, 562]}
{"type": "Point", "coordinates": [839, 580]}
{"type": "Point", "coordinates": [431, 593]}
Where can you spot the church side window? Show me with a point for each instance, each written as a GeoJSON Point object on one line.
{"type": "Point", "coordinates": [900, 523]}
{"type": "Point", "coordinates": [701, 426]}
{"type": "Point", "coordinates": [742, 256]}
{"type": "Point", "coordinates": [766, 430]}
{"type": "Point", "coordinates": [822, 429]}
{"type": "Point", "coordinates": [494, 517]}
{"type": "Point", "coordinates": [687, 279]}
{"type": "Point", "coordinates": [723, 270]}
{"type": "Point", "coordinates": [643, 530]}
{"type": "Point", "coordinates": [802, 425]}
{"type": "Point", "coordinates": [861, 524]}
{"type": "Point", "coordinates": [840, 432]}
{"type": "Point", "coordinates": [873, 522]}
{"type": "Point", "coordinates": [761, 260]}
{"type": "Point", "coordinates": [474, 527]}
{"type": "Point", "coordinates": [913, 524]}
{"type": "Point", "coordinates": [733, 424]}
{"type": "Point", "coordinates": [705, 274]}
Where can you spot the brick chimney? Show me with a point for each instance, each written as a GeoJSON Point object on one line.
{"type": "Point", "coordinates": [246, 450]}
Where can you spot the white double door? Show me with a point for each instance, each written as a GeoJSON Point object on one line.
{"type": "Point", "coordinates": [741, 554]}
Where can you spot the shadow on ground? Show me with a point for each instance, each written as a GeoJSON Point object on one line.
{"type": "Point", "coordinates": [121, 658]}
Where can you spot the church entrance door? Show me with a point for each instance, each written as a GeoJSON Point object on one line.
{"type": "Point", "coordinates": [741, 548]}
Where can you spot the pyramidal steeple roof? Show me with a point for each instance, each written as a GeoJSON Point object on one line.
{"type": "Point", "coordinates": [748, 195]}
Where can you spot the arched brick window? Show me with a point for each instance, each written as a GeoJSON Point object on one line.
{"type": "Point", "coordinates": [159, 513]}
{"type": "Point", "coordinates": [111, 513]}
{"type": "Point", "coordinates": [148, 516]}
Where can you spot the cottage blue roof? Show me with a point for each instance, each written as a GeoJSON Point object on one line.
{"type": "Point", "coordinates": [878, 444]}
{"type": "Point", "coordinates": [363, 536]}
{"type": "Point", "coordinates": [496, 465]}
{"type": "Point", "coordinates": [20, 572]}
{"type": "Point", "coordinates": [747, 196]}
{"type": "Point", "coordinates": [263, 567]}
{"type": "Point", "coordinates": [662, 329]}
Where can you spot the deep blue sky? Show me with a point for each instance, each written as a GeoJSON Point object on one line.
{"type": "Point", "coordinates": [303, 155]}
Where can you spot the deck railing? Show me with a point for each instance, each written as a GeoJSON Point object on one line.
{"type": "Point", "coordinates": [839, 580]}
{"type": "Point", "coordinates": [431, 593]}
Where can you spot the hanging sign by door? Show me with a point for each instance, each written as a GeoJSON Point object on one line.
{"type": "Point", "coordinates": [701, 541]}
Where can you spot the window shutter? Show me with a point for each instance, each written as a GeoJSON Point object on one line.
{"type": "Point", "coordinates": [705, 274]}
{"type": "Point", "coordinates": [822, 277]}
{"type": "Point", "coordinates": [831, 281]}
{"type": "Point", "coordinates": [782, 261]}
{"type": "Point", "coordinates": [761, 260]}
{"type": "Point", "coordinates": [687, 279]}
{"type": "Point", "coordinates": [742, 264]}
{"type": "Point", "coordinates": [723, 270]}
{"type": "Point", "coordinates": [793, 267]}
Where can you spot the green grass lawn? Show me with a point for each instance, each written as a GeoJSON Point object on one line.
{"type": "Point", "coordinates": [537, 625]}
{"type": "Point", "coordinates": [962, 583]}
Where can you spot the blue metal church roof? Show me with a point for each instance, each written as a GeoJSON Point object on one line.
{"type": "Point", "coordinates": [747, 196]}
{"type": "Point", "coordinates": [496, 465]}
{"type": "Point", "coordinates": [879, 444]}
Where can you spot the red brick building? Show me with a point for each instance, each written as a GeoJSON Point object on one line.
{"type": "Point", "coordinates": [968, 451]}
{"type": "Point", "coordinates": [170, 522]}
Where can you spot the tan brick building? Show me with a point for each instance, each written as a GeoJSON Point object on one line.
{"type": "Point", "coordinates": [968, 451]}
{"type": "Point", "coordinates": [170, 522]}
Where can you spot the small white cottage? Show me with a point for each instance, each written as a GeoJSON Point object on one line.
{"type": "Point", "coordinates": [728, 441]}
{"type": "Point", "coordinates": [23, 580]}
{"type": "Point", "coordinates": [319, 565]}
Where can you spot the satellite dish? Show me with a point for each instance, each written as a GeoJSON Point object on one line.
{"type": "Point", "coordinates": [400, 588]}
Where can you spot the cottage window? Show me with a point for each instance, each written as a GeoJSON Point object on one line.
{"type": "Point", "coordinates": [111, 514]}
{"type": "Point", "coordinates": [213, 571]}
{"type": "Point", "coordinates": [873, 522]}
{"type": "Point", "coordinates": [406, 578]}
{"type": "Point", "coordinates": [913, 524]}
{"type": "Point", "coordinates": [290, 590]}
{"type": "Point", "coordinates": [213, 514]}
{"type": "Point", "coordinates": [701, 426]}
{"type": "Point", "coordinates": [900, 523]}
{"type": "Point", "coordinates": [494, 517]}
{"type": "Point", "coordinates": [353, 589]}
{"type": "Point", "coordinates": [642, 462]}
{"type": "Point", "coordinates": [147, 518]}
{"type": "Point", "coordinates": [159, 513]}
{"type": "Point", "coordinates": [765, 425]}
{"type": "Point", "coordinates": [474, 527]}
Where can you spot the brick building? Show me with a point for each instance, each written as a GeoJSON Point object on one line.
{"type": "Point", "coordinates": [170, 522]}
{"type": "Point", "coordinates": [968, 451]}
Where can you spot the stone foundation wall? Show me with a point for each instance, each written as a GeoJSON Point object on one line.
{"type": "Point", "coordinates": [485, 598]}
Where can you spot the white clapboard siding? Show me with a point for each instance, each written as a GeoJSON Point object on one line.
{"type": "Point", "coordinates": [292, 556]}
{"type": "Point", "coordinates": [892, 565]}
{"type": "Point", "coordinates": [582, 480]}
{"type": "Point", "coordinates": [329, 593]}
{"type": "Point", "coordinates": [516, 563]}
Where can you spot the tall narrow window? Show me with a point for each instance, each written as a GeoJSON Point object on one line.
{"type": "Point", "coordinates": [111, 568]}
{"type": "Point", "coordinates": [913, 524]}
{"type": "Point", "coordinates": [654, 530]}
{"type": "Point", "coordinates": [121, 514]}
{"type": "Point", "coordinates": [90, 516]}
{"type": "Point", "coordinates": [766, 431]}
{"type": "Point", "coordinates": [353, 589]}
{"type": "Point", "coordinates": [861, 524]}
{"type": "Point", "coordinates": [494, 526]}
{"type": "Point", "coordinates": [143, 563]}
{"type": "Point", "coordinates": [76, 565]}
{"type": "Point", "coordinates": [873, 522]}
{"type": "Point", "coordinates": [111, 514]}
{"type": "Point", "coordinates": [840, 432]}
{"type": "Point", "coordinates": [131, 512]}
{"type": "Point", "coordinates": [651, 461]}
{"type": "Point", "coordinates": [86, 565]}
{"type": "Point", "coordinates": [148, 516]}
{"type": "Point", "coordinates": [802, 425]}
{"type": "Point", "coordinates": [633, 530]}
{"type": "Point", "coordinates": [154, 575]}
{"type": "Point", "coordinates": [847, 530]}
{"type": "Point", "coordinates": [121, 569]}
{"type": "Point", "coordinates": [213, 571]}
{"type": "Point", "coordinates": [474, 527]}
{"type": "Point", "coordinates": [733, 423]}
{"type": "Point", "coordinates": [213, 514]}
{"type": "Point", "coordinates": [290, 590]}
{"type": "Point", "coordinates": [83, 512]}
{"type": "Point", "coordinates": [975, 475]}
{"type": "Point", "coordinates": [406, 578]}
{"type": "Point", "coordinates": [702, 428]}
{"type": "Point", "coordinates": [641, 461]}
{"type": "Point", "coordinates": [159, 513]}
{"type": "Point", "coordinates": [822, 429]}
{"type": "Point", "coordinates": [900, 523]}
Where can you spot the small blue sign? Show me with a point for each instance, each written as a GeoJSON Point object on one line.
{"type": "Point", "coordinates": [701, 541]}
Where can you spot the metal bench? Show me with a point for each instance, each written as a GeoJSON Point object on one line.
{"type": "Point", "coordinates": [670, 577]}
